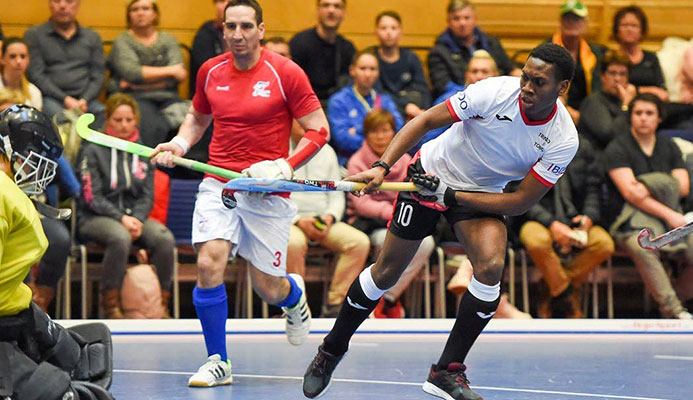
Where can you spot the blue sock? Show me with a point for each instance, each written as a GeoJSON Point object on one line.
{"type": "Point", "coordinates": [294, 294]}
{"type": "Point", "coordinates": [213, 310]}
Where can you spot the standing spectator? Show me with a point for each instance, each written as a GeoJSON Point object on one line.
{"type": "Point", "coordinates": [15, 61]}
{"type": "Point", "coordinates": [348, 107]}
{"type": "Point", "coordinates": [117, 196]}
{"type": "Point", "coordinates": [318, 221]}
{"type": "Point", "coordinates": [322, 52]}
{"type": "Point", "coordinates": [448, 59]}
{"type": "Point", "coordinates": [605, 111]}
{"type": "Point", "coordinates": [208, 42]}
{"type": "Point", "coordinates": [67, 61]}
{"type": "Point", "coordinates": [566, 218]}
{"type": "Point", "coordinates": [629, 29]}
{"type": "Point", "coordinates": [585, 54]}
{"type": "Point", "coordinates": [401, 73]}
{"type": "Point", "coordinates": [148, 64]}
{"type": "Point", "coordinates": [278, 45]}
{"type": "Point", "coordinates": [372, 213]}
{"type": "Point", "coordinates": [650, 179]}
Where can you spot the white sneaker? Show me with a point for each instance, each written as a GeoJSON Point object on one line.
{"type": "Point", "coordinates": [212, 373]}
{"type": "Point", "coordinates": [298, 317]}
{"type": "Point", "coordinates": [684, 315]}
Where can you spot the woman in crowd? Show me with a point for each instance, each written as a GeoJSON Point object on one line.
{"type": "Point", "coordinates": [15, 61]}
{"type": "Point", "coordinates": [629, 29]}
{"type": "Point", "coordinates": [117, 197]}
{"type": "Point", "coordinates": [148, 64]}
{"type": "Point", "coordinates": [371, 213]}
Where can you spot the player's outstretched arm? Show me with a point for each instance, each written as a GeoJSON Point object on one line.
{"type": "Point", "coordinates": [317, 133]}
{"type": "Point", "coordinates": [530, 191]}
{"type": "Point", "coordinates": [410, 134]}
{"type": "Point", "coordinates": [189, 133]}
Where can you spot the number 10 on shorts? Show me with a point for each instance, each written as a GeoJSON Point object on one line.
{"type": "Point", "coordinates": [405, 212]}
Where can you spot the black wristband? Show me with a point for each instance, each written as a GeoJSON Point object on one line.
{"type": "Point", "coordinates": [449, 197]}
{"type": "Point", "coordinates": [383, 164]}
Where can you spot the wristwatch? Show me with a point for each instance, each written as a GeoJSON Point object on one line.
{"type": "Point", "coordinates": [383, 164]}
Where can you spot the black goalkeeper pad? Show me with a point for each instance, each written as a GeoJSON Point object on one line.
{"type": "Point", "coordinates": [26, 380]}
{"type": "Point", "coordinates": [96, 356]}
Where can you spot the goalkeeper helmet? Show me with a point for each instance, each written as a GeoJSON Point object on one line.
{"type": "Point", "coordinates": [31, 143]}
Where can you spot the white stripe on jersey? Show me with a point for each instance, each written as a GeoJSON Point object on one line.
{"type": "Point", "coordinates": [274, 71]}
{"type": "Point", "coordinates": [209, 73]}
{"type": "Point", "coordinates": [492, 145]}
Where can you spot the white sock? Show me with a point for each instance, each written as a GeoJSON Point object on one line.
{"type": "Point", "coordinates": [368, 286]}
{"type": "Point", "coordinates": [484, 292]}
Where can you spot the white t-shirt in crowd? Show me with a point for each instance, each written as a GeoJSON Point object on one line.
{"type": "Point", "coordinates": [35, 97]}
{"type": "Point", "coordinates": [494, 143]}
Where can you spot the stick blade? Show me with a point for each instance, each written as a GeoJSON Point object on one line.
{"type": "Point", "coordinates": [644, 240]}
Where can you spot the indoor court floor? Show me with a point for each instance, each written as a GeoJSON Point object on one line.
{"type": "Point", "coordinates": [513, 360]}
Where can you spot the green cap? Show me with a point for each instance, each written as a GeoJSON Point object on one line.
{"type": "Point", "coordinates": [574, 6]}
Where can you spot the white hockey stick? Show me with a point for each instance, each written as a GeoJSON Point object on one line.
{"type": "Point", "coordinates": [52, 212]}
{"type": "Point", "coordinates": [282, 185]}
{"type": "Point", "coordinates": [664, 239]}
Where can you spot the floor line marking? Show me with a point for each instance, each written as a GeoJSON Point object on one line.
{"type": "Point", "coordinates": [298, 378]}
{"type": "Point", "coordinates": [680, 358]}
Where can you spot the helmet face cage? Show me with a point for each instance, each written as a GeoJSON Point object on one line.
{"type": "Point", "coordinates": [33, 173]}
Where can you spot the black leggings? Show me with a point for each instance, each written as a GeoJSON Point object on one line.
{"type": "Point", "coordinates": [52, 265]}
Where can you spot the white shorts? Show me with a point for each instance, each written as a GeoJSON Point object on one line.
{"type": "Point", "coordinates": [258, 228]}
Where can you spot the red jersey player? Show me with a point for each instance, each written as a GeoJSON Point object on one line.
{"type": "Point", "coordinates": [252, 95]}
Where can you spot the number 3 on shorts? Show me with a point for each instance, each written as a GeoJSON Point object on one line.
{"type": "Point", "coordinates": [405, 212]}
{"type": "Point", "coordinates": [278, 261]}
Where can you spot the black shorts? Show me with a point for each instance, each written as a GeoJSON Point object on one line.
{"type": "Point", "coordinates": [412, 220]}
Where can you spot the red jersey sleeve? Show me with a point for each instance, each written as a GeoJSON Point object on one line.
{"type": "Point", "coordinates": [300, 97]}
{"type": "Point", "coordinates": [199, 101]}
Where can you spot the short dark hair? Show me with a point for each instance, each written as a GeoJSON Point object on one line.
{"type": "Point", "coordinates": [632, 9]}
{"type": "Point", "coordinates": [559, 57]}
{"type": "Point", "coordinates": [276, 40]}
{"type": "Point", "coordinates": [248, 3]}
{"type": "Point", "coordinates": [612, 57]}
{"type": "Point", "coordinates": [318, 2]}
{"type": "Point", "coordinates": [11, 40]}
{"type": "Point", "coordinates": [388, 13]}
{"type": "Point", "coordinates": [361, 53]}
{"type": "Point", "coordinates": [648, 98]}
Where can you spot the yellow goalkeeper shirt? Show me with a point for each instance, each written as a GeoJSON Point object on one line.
{"type": "Point", "coordinates": [22, 243]}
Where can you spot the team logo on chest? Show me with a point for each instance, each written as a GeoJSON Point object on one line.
{"type": "Point", "coordinates": [260, 89]}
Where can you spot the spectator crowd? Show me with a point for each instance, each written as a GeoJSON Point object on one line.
{"type": "Point", "coordinates": [628, 174]}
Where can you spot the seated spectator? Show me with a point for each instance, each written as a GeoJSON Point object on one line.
{"type": "Point", "coordinates": [605, 111]}
{"type": "Point", "coordinates": [117, 196]}
{"type": "Point", "coordinates": [147, 64]}
{"type": "Point", "coordinates": [585, 54]}
{"type": "Point", "coordinates": [371, 213]}
{"type": "Point", "coordinates": [459, 283]}
{"type": "Point", "coordinates": [208, 42]}
{"type": "Point", "coordinates": [278, 45]}
{"type": "Point", "coordinates": [401, 73]}
{"type": "Point", "coordinates": [9, 97]}
{"type": "Point", "coordinates": [67, 62]}
{"type": "Point", "coordinates": [649, 179]}
{"type": "Point", "coordinates": [448, 59]}
{"type": "Point", "coordinates": [322, 52]}
{"type": "Point", "coordinates": [318, 221]}
{"type": "Point", "coordinates": [15, 61]}
{"type": "Point", "coordinates": [348, 107]}
{"type": "Point", "coordinates": [565, 220]}
{"type": "Point", "coordinates": [481, 66]}
{"type": "Point", "coordinates": [629, 29]}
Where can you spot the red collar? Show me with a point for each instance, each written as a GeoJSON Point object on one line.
{"type": "Point", "coordinates": [527, 121]}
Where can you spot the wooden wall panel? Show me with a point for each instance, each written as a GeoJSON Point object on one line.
{"type": "Point", "coordinates": [520, 24]}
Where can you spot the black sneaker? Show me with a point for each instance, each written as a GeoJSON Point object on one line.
{"type": "Point", "coordinates": [317, 378]}
{"type": "Point", "coordinates": [450, 383]}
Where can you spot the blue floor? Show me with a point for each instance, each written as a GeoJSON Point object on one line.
{"type": "Point", "coordinates": [393, 366]}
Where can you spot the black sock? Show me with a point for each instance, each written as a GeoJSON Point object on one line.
{"type": "Point", "coordinates": [467, 328]}
{"type": "Point", "coordinates": [355, 309]}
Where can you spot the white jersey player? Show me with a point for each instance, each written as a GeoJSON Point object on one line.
{"type": "Point", "coordinates": [504, 129]}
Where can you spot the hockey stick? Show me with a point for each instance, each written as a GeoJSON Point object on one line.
{"type": "Point", "coordinates": [281, 185]}
{"type": "Point", "coordinates": [664, 239]}
{"type": "Point", "coordinates": [52, 212]}
{"type": "Point", "coordinates": [90, 135]}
